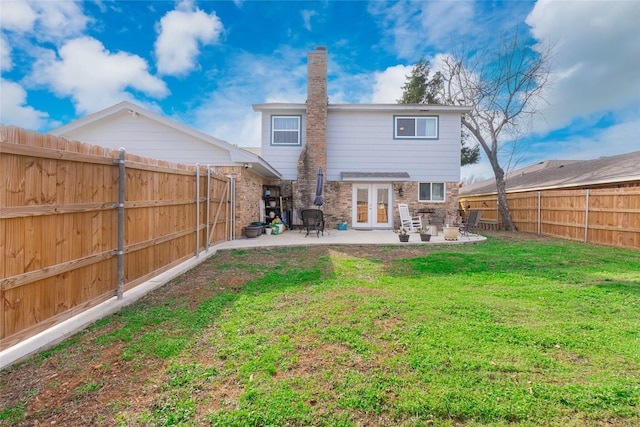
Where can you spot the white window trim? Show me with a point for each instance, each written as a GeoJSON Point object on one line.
{"type": "Point", "coordinates": [437, 127]}
{"type": "Point", "coordinates": [444, 188]}
{"type": "Point", "coordinates": [273, 130]}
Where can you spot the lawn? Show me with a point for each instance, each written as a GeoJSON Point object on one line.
{"type": "Point", "coordinates": [518, 331]}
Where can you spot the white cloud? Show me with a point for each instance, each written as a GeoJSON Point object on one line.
{"type": "Point", "coordinates": [597, 57]}
{"type": "Point", "coordinates": [94, 77]}
{"type": "Point", "coordinates": [6, 62]}
{"type": "Point", "coordinates": [387, 87]}
{"type": "Point", "coordinates": [59, 19]}
{"type": "Point", "coordinates": [181, 32]}
{"type": "Point", "coordinates": [17, 15]}
{"type": "Point", "coordinates": [615, 139]}
{"type": "Point", "coordinates": [13, 108]}
{"type": "Point", "coordinates": [414, 27]}
{"type": "Point", "coordinates": [227, 113]}
{"type": "Point", "coordinates": [306, 17]}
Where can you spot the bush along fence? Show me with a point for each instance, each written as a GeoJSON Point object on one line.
{"type": "Point", "coordinates": [605, 216]}
{"type": "Point", "coordinates": [81, 224]}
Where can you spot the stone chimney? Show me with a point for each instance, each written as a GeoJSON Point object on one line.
{"type": "Point", "coordinates": [314, 153]}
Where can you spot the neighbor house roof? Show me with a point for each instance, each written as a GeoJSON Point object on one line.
{"type": "Point", "coordinates": [237, 155]}
{"type": "Point", "coordinates": [552, 174]}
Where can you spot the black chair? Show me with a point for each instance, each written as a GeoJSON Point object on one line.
{"type": "Point", "coordinates": [472, 222]}
{"type": "Point", "coordinates": [313, 219]}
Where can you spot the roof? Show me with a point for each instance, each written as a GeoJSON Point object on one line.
{"type": "Point", "coordinates": [552, 174]}
{"type": "Point", "coordinates": [367, 107]}
{"type": "Point", "coordinates": [237, 154]}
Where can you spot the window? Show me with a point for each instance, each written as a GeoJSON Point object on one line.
{"type": "Point", "coordinates": [285, 130]}
{"type": "Point", "coordinates": [431, 192]}
{"type": "Point", "coordinates": [421, 127]}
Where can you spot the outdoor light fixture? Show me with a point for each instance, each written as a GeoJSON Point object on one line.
{"type": "Point", "coordinates": [400, 192]}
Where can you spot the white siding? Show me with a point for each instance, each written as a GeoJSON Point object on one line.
{"type": "Point", "coordinates": [148, 138]}
{"type": "Point", "coordinates": [283, 158]}
{"type": "Point", "coordinates": [363, 142]}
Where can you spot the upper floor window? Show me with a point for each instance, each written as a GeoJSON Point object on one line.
{"type": "Point", "coordinates": [285, 130]}
{"type": "Point", "coordinates": [418, 127]}
{"type": "Point", "coordinates": [431, 192]}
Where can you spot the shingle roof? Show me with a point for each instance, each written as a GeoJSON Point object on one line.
{"type": "Point", "coordinates": [565, 173]}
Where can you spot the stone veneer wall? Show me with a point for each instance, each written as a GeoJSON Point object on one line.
{"type": "Point", "coordinates": [448, 208]}
{"type": "Point", "coordinates": [248, 195]}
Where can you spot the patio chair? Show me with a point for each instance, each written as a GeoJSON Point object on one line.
{"type": "Point", "coordinates": [471, 223]}
{"type": "Point", "coordinates": [313, 219]}
{"type": "Point", "coordinates": [411, 223]}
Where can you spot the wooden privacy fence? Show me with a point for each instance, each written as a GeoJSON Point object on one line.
{"type": "Point", "coordinates": [608, 216]}
{"type": "Point", "coordinates": [80, 224]}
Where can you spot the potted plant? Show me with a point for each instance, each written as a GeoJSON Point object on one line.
{"type": "Point", "coordinates": [425, 234]}
{"type": "Point", "coordinates": [402, 234]}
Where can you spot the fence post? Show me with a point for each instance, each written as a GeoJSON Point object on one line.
{"type": "Point", "coordinates": [586, 216]}
{"type": "Point", "coordinates": [197, 209]}
{"type": "Point", "coordinates": [208, 201]}
{"type": "Point", "coordinates": [120, 251]}
{"type": "Point", "coordinates": [539, 219]}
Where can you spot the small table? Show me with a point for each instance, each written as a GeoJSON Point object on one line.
{"type": "Point", "coordinates": [428, 212]}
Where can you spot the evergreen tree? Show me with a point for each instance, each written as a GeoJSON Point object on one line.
{"type": "Point", "coordinates": [420, 89]}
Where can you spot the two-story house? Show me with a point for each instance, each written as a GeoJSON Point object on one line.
{"type": "Point", "coordinates": [373, 156]}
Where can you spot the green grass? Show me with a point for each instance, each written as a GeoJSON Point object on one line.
{"type": "Point", "coordinates": [511, 332]}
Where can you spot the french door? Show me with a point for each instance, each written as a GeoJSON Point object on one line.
{"type": "Point", "coordinates": [372, 206]}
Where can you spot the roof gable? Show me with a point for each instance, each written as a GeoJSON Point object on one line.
{"type": "Point", "coordinates": [228, 153]}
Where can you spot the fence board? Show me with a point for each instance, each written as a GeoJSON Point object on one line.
{"type": "Point", "coordinates": [611, 217]}
{"type": "Point", "coordinates": [59, 221]}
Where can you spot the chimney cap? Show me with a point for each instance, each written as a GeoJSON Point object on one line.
{"type": "Point", "coordinates": [322, 48]}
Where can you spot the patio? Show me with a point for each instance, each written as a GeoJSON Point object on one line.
{"type": "Point", "coordinates": [348, 237]}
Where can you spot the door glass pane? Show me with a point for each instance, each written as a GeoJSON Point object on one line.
{"type": "Point", "coordinates": [382, 206]}
{"type": "Point", "coordinates": [362, 199]}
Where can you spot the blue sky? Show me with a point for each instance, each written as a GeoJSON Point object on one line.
{"type": "Point", "coordinates": [204, 63]}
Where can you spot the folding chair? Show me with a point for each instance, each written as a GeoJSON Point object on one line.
{"type": "Point", "coordinates": [472, 222]}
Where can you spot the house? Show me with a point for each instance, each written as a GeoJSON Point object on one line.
{"type": "Point", "coordinates": [145, 133]}
{"type": "Point", "coordinates": [373, 156]}
{"type": "Point", "coordinates": [604, 172]}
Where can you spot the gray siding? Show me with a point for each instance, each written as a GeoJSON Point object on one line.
{"type": "Point", "coordinates": [283, 158]}
{"type": "Point", "coordinates": [363, 142]}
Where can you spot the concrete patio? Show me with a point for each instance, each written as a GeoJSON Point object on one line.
{"type": "Point", "coordinates": [338, 237]}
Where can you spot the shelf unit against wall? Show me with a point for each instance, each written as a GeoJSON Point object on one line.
{"type": "Point", "coordinates": [276, 204]}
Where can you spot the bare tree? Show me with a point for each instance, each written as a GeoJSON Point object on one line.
{"type": "Point", "coordinates": [421, 88]}
{"type": "Point", "coordinates": [501, 84]}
